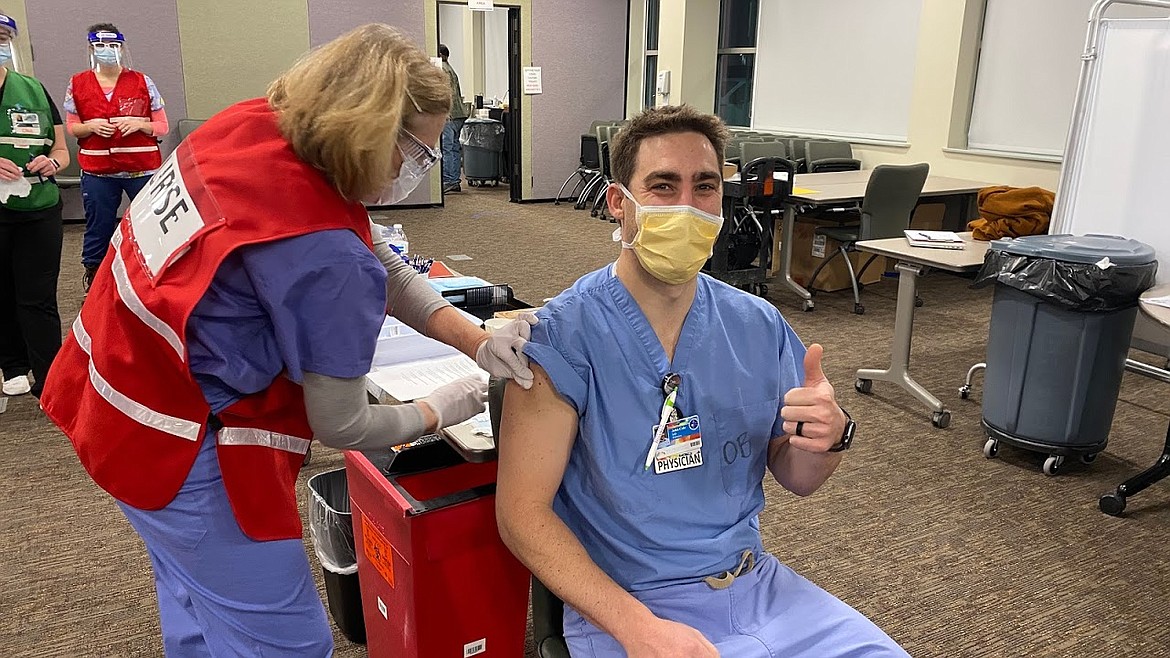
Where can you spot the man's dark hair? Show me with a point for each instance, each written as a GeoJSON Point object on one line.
{"type": "Point", "coordinates": [103, 27]}
{"type": "Point", "coordinates": [623, 152]}
{"type": "Point", "coordinates": [444, 52]}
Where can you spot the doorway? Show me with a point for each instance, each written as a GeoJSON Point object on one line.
{"type": "Point", "coordinates": [484, 52]}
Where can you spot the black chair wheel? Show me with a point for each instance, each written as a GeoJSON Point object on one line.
{"type": "Point", "coordinates": [863, 386]}
{"type": "Point", "coordinates": [859, 309]}
{"type": "Point", "coordinates": [1112, 504]}
{"type": "Point", "coordinates": [918, 302]}
{"type": "Point", "coordinates": [941, 419]}
{"type": "Point", "coordinates": [1089, 457]}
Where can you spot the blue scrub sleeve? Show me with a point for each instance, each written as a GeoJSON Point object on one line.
{"type": "Point", "coordinates": [326, 296]}
{"type": "Point", "coordinates": [791, 365]}
{"type": "Point", "coordinates": [545, 350]}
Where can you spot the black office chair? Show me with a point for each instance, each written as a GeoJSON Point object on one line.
{"type": "Point", "coordinates": [822, 157]}
{"type": "Point", "coordinates": [588, 168]}
{"type": "Point", "coordinates": [188, 126]}
{"type": "Point", "coordinates": [890, 199]}
{"type": "Point", "coordinates": [548, 629]}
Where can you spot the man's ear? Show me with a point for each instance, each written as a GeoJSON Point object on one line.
{"type": "Point", "coordinates": [616, 202]}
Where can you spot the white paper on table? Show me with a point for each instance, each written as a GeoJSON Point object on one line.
{"type": "Point", "coordinates": [1159, 301]}
{"type": "Point", "coordinates": [11, 188]}
{"type": "Point", "coordinates": [418, 379]}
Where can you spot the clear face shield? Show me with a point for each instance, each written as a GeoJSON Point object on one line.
{"type": "Point", "coordinates": [9, 57]}
{"type": "Point", "coordinates": [108, 50]}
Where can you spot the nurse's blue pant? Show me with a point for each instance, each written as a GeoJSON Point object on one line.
{"type": "Point", "coordinates": [221, 594]}
{"type": "Point", "coordinates": [769, 612]}
{"type": "Point", "coordinates": [101, 196]}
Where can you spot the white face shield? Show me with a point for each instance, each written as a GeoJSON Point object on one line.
{"type": "Point", "coordinates": [108, 50]}
{"type": "Point", "coordinates": [8, 53]}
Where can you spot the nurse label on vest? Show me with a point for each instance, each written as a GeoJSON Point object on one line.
{"type": "Point", "coordinates": [164, 217]}
{"type": "Point", "coordinates": [681, 446]}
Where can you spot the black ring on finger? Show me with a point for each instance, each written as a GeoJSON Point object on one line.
{"type": "Point", "coordinates": [799, 427]}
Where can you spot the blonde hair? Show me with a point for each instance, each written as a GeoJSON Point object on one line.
{"type": "Point", "coordinates": [342, 105]}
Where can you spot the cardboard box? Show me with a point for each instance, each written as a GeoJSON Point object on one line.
{"type": "Point", "coordinates": [809, 250]}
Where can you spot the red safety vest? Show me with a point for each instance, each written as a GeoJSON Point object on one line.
{"type": "Point", "coordinates": [118, 153]}
{"type": "Point", "coordinates": [121, 388]}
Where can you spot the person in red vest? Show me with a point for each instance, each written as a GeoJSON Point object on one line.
{"type": "Point", "coordinates": [117, 116]}
{"type": "Point", "coordinates": [233, 323]}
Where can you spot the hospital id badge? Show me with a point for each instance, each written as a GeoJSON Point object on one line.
{"type": "Point", "coordinates": [25, 123]}
{"type": "Point", "coordinates": [681, 446]}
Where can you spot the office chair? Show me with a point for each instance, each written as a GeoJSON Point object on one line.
{"type": "Point", "coordinates": [821, 157]}
{"type": "Point", "coordinates": [548, 630]}
{"type": "Point", "coordinates": [588, 167]}
{"type": "Point", "coordinates": [600, 206]}
{"type": "Point", "coordinates": [760, 148]}
{"type": "Point", "coordinates": [797, 147]}
{"type": "Point", "coordinates": [187, 126]}
{"type": "Point", "coordinates": [890, 199]}
{"type": "Point", "coordinates": [589, 195]}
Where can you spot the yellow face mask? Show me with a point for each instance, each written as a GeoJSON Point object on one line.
{"type": "Point", "coordinates": [673, 242]}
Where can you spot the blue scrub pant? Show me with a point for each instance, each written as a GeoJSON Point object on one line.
{"type": "Point", "coordinates": [768, 612]}
{"type": "Point", "coordinates": [452, 151]}
{"type": "Point", "coordinates": [101, 196]}
{"type": "Point", "coordinates": [221, 594]}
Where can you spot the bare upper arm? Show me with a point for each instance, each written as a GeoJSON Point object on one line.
{"type": "Point", "coordinates": [537, 430]}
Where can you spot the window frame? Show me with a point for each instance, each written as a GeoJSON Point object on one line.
{"type": "Point", "coordinates": [720, 52]}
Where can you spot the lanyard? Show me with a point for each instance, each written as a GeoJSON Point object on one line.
{"type": "Point", "coordinates": [670, 385]}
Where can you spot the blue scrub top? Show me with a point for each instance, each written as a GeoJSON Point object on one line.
{"type": "Point", "coordinates": [311, 303]}
{"type": "Point", "coordinates": [737, 357]}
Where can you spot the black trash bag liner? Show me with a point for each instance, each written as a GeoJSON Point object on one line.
{"type": "Point", "coordinates": [1074, 286]}
{"type": "Point", "coordinates": [486, 134]}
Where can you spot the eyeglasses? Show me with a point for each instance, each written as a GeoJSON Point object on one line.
{"type": "Point", "coordinates": [101, 45]}
{"type": "Point", "coordinates": [417, 150]}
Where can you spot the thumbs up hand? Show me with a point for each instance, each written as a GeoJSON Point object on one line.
{"type": "Point", "coordinates": [813, 421]}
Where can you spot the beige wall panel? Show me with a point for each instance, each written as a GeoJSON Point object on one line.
{"type": "Point", "coordinates": [232, 50]}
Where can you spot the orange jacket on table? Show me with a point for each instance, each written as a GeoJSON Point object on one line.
{"type": "Point", "coordinates": [117, 153]}
{"type": "Point", "coordinates": [121, 388]}
{"type": "Point", "coordinates": [1011, 212]}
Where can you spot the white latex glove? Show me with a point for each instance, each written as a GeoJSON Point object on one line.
{"type": "Point", "coordinates": [502, 354]}
{"type": "Point", "coordinates": [456, 402]}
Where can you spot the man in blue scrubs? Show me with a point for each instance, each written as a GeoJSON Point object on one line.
{"type": "Point", "coordinates": [631, 473]}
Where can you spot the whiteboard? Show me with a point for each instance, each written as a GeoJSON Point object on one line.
{"type": "Point", "coordinates": [838, 68]}
{"type": "Point", "coordinates": [1116, 179]}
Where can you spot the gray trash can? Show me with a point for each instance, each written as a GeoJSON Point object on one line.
{"type": "Point", "coordinates": [331, 527]}
{"type": "Point", "coordinates": [483, 144]}
{"type": "Point", "coordinates": [1061, 321]}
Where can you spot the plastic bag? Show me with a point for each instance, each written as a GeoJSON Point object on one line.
{"type": "Point", "coordinates": [483, 133]}
{"type": "Point", "coordinates": [331, 522]}
{"type": "Point", "coordinates": [1074, 286]}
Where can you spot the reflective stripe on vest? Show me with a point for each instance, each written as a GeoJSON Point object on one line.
{"type": "Point", "coordinates": [118, 149]}
{"type": "Point", "coordinates": [25, 142]}
{"type": "Point", "coordinates": [130, 298]}
{"type": "Point", "coordinates": [247, 436]}
{"type": "Point", "coordinates": [140, 413]}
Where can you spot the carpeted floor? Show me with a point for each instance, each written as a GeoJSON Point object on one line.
{"type": "Point", "coordinates": [950, 553]}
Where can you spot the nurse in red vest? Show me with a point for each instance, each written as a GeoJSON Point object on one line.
{"type": "Point", "coordinates": [117, 116]}
{"type": "Point", "coordinates": [233, 323]}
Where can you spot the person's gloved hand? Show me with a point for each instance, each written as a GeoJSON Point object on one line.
{"type": "Point", "coordinates": [456, 402]}
{"type": "Point", "coordinates": [502, 353]}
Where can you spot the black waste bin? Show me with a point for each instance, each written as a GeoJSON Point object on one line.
{"type": "Point", "coordinates": [1061, 322]}
{"type": "Point", "coordinates": [483, 144]}
{"type": "Point", "coordinates": [331, 527]}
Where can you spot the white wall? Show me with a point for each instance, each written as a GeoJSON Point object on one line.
{"type": "Point", "coordinates": [452, 24]}
{"type": "Point", "coordinates": [495, 54]}
{"type": "Point", "coordinates": [941, 72]}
